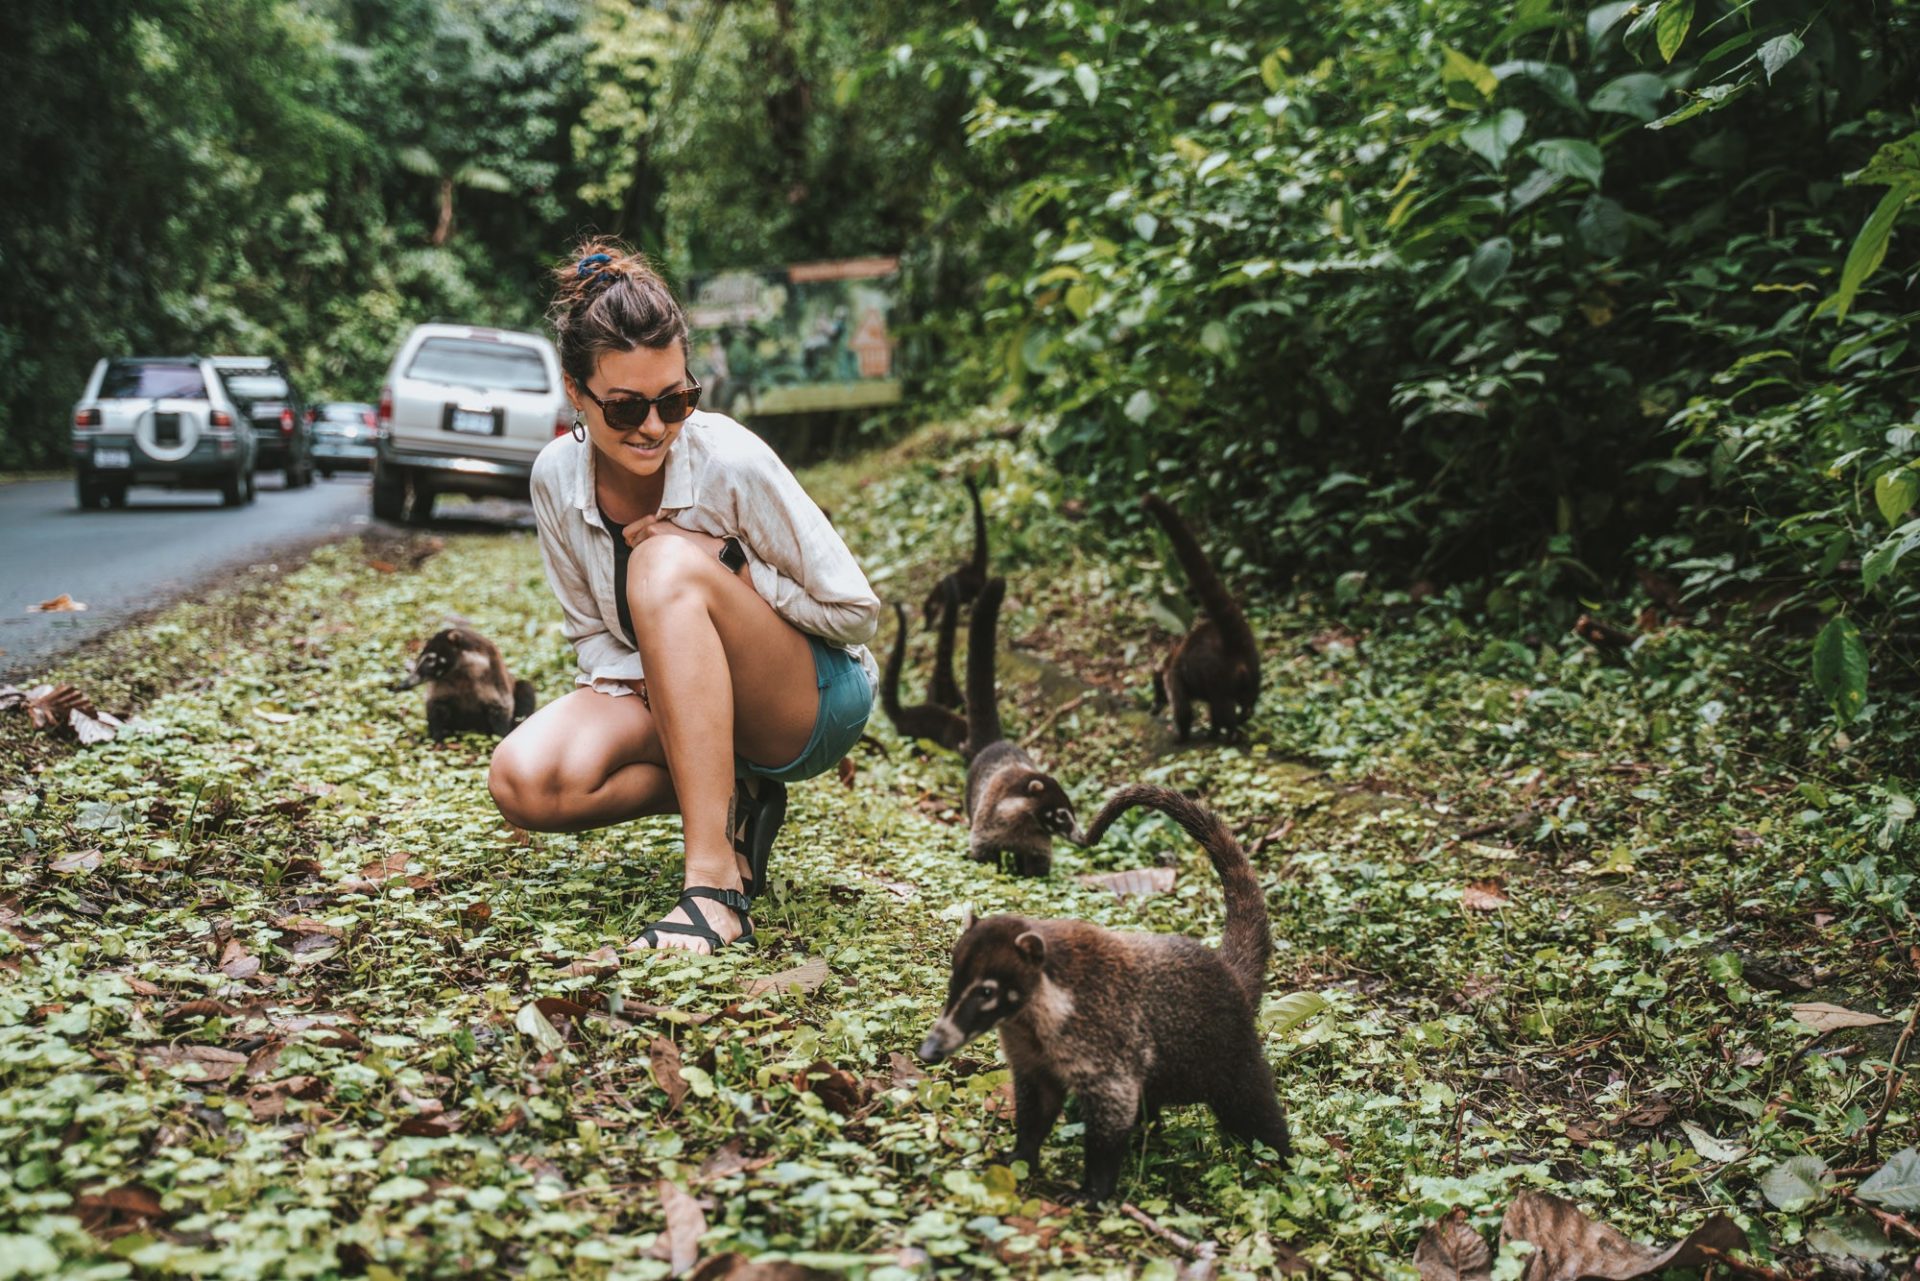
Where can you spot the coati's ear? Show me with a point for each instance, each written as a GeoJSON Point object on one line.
{"type": "Point", "coordinates": [1033, 947]}
{"type": "Point", "coordinates": [1036, 785]}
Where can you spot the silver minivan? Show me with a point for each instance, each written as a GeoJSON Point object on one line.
{"type": "Point", "coordinates": [465, 410]}
{"type": "Point", "coordinates": [159, 420]}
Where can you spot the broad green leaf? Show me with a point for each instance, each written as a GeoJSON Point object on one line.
{"type": "Point", "coordinates": [1493, 138]}
{"type": "Point", "coordinates": [1556, 80]}
{"type": "Point", "coordinates": [1489, 264]}
{"type": "Point", "coordinates": [1216, 337]}
{"type": "Point", "coordinates": [1778, 52]}
{"type": "Point", "coordinates": [1140, 406]}
{"type": "Point", "coordinates": [1869, 248]}
{"type": "Point", "coordinates": [1721, 1151]}
{"type": "Point", "coordinates": [1895, 1185]}
{"type": "Point", "coordinates": [1145, 225]}
{"type": "Point", "coordinates": [1670, 28]}
{"type": "Point", "coordinates": [1273, 69]}
{"type": "Point", "coordinates": [1840, 668]}
{"type": "Point", "coordinates": [1795, 1183]}
{"type": "Point", "coordinates": [533, 1025]}
{"type": "Point", "coordinates": [1881, 560]}
{"type": "Point", "coordinates": [1851, 1236]}
{"type": "Point", "coordinates": [1295, 1008]}
{"type": "Point", "coordinates": [1603, 18]}
{"type": "Point", "coordinates": [1894, 492]}
{"type": "Point", "coordinates": [1570, 158]}
{"type": "Point", "coordinates": [1089, 81]}
{"type": "Point", "coordinates": [1636, 94]}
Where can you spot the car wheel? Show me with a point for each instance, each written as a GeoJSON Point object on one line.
{"type": "Point", "coordinates": [253, 487]}
{"type": "Point", "coordinates": [233, 489]}
{"type": "Point", "coordinates": [116, 496]}
{"type": "Point", "coordinates": [419, 503]}
{"type": "Point", "coordinates": [87, 493]}
{"type": "Point", "coordinates": [326, 473]}
{"type": "Point", "coordinates": [389, 493]}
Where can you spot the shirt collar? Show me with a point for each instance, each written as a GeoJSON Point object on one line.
{"type": "Point", "coordinates": [680, 493]}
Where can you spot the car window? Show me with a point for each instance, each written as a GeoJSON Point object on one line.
{"type": "Point", "coordinates": [258, 386]}
{"type": "Point", "coordinates": [149, 380]}
{"type": "Point", "coordinates": [471, 362]}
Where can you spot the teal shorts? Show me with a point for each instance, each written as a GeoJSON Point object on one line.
{"type": "Point", "coordinates": [846, 700]}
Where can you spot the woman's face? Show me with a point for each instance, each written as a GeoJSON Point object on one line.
{"type": "Point", "coordinates": [644, 371]}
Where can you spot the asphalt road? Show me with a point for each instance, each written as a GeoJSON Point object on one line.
{"type": "Point", "coordinates": [163, 545]}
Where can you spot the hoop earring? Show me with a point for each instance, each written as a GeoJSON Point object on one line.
{"type": "Point", "coordinates": [579, 426]}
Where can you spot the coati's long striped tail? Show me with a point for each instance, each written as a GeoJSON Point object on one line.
{"type": "Point", "coordinates": [1211, 594]}
{"type": "Point", "coordinates": [983, 705]}
{"type": "Point", "coordinates": [890, 678]}
{"type": "Point", "coordinates": [1247, 940]}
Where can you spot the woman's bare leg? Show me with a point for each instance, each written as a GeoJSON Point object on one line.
{"type": "Point", "coordinates": [589, 760]}
{"type": "Point", "coordinates": [691, 616]}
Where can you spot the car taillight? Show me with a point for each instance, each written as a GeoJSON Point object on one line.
{"type": "Point", "coordinates": [220, 418]}
{"type": "Point", "coordinates": [563, 422]}
{"type": "Point", "coordinates": [286, 422]}
{"type": "Point", "coordinates": [367, 418]}
{"type": "Point", "coordinates": [86, 419]}
{"type": "Point", "coordinates": [383, 423]}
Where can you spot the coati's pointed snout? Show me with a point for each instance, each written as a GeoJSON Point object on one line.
{"type": "Point", "coordinates": [943, 1040]}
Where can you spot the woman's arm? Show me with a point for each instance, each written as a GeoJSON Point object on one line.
{"type": "Point", "coordinates": [797, 558]}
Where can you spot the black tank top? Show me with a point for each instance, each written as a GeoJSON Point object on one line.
{"type": "Point", "coordinates": [621, 555]}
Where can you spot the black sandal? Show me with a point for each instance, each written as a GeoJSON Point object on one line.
{"type": "Point", "coordinates": [752, 823]}
{"type": "Point", "coordinates": [697, 924]}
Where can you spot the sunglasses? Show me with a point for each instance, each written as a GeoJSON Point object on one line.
{"type": "Point", "coordinates": [628, 412]}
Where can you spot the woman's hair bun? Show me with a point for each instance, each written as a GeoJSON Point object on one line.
{"type": "Point", "coordinates": [607, 297]}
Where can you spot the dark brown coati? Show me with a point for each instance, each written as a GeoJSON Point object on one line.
{"type": "Point", "coordinates": [1218, 662]}
{"type": "Point", "coordinates": [1014, 808]}
{"type": "Point", "coordinates": [964, 583]}
{"type": "Point", "coordinates": [468, 686]}
{"type": "Point", "coordinates": [922, 720]}
{"type": "Point", "coordinates": [944, 691]}
{"type": "Point", "coordinates": [1129, 1023]}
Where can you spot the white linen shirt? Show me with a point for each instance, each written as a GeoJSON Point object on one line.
{"type": "Point", "coordinates": [723, 480]}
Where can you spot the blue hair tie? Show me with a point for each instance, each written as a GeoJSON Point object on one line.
{"type": "Point", "coordinates": [592, 261]}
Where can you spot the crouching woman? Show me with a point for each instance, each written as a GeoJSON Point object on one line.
{"type": "Point", "coordinates": [718, 617]}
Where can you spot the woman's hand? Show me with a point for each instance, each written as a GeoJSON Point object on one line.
{"type": "Point", "coordinates": [656, 526]}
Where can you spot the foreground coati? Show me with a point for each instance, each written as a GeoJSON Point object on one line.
{"type": "Point", "coordinates": [962, 586]}
{"type": "Point", "coordinates": [1014, 808]}
{"type": "Point", "coordinates": [1128, 1022]}
{"type": "Point", "coordinates": [468, 686]}
{"type": "Point", "coordinates": [1218, 662]}
{"type": "Point", "coordinates": [922, 720]}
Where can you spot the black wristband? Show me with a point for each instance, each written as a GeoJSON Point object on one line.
{"type": "Point", "coordinates": [733, 555]}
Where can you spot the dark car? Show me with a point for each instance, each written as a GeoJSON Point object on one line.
{"type": "Point", "coordinates": [344, 435]}
{"type": "Point", "coordinates": [159, 420]}
{"type": "Point", "coordinates": [267, 396]}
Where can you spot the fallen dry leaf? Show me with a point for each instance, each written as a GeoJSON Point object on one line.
{"type": "Point", "coordinates": [846, 773]}
{"type": "Point", "coordinates": [1822, 1017]}
{"type": "Point", "coordinates": [1138, 882]}
{"type": "Point", "coordinates": [686, 1224]}
{"type": "Point", "coordinates": [906, 1069]}
{"type": "Point", "coordinates": [838, 1090]}
{"type": "Point", "coordinates": [237, 963]}
{"type": "Point", "coordinates": [806, 976]}
{"type": "Point", "coordinates": [603, 961]}
{"type": "Point", "coordinates": [78, 861]}
{"type": "Point", "coordinates": [202, 1009]}
{"type": "Point", "coordinates": [99, 728]}
{"type": "Point", "coordinates": [1568, 1246]}
{"type": "Point", "coordinates": [53, 706]}
{"type": "Point", "coordinates": [1650, 1114]}
{"type": "Point", "coordinates": [738, 1267]}
{"type": "Point", "coordinates": [666, 1070]}
{"type": "Point", "coordinates": [1485, 896]}
{"type": "Point", "coordinates": [11, 696]}
{"type": "Point", "coordinates": [61, 604]}
{"type": "Point", "coordinates": [209, 1062]}
{"type": "Point", "coordinates": [1450, 1250]}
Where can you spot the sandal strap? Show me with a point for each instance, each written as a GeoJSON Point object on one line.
{"type": "Point", "coordinates": [696, 924]}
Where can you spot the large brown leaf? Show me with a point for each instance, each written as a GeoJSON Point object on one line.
{"type": "Point", "coordinates": [1451, 1250]}
{"type": "Point", "coordinates": [1137, 882]}
{"type": "Point", "coordinates": [686, 1224]}
{"type": "Point", "coordinates": [1568, 1246]}
{"type": "Point", "coordinates": [738, 1267]}
{"type": "Point", "coordinates": [806, 976]}
{"type": "Point", "coordinates": [666, 1070]}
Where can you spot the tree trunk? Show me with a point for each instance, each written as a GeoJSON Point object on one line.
{"type": "Point", "coordinates": [444, 230]}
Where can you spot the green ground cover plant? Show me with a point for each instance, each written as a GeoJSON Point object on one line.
{"type": "Point", "coordinates": [280, 994]}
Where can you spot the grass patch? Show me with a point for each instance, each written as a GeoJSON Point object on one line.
{"type": "Point", "coordinates": [283, 995]}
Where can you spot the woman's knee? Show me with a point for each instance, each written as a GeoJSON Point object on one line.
{"type": "Point", "coordinates": [665, 568]}
{"type": "Point", "coordinates": [513, 779]}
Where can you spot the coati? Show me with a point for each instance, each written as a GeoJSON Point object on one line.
{"type": "Point", "coordinates": [922, 720]}
{"type": "Point", "coordinates": [468, 687]}
{"type": "Point", "coordinates": [962, 585]}
{"type": "Point", "coordinates": [1218, 662]}
{"type": "Point", "coordinates": [1014, 807]}
{"type": "Point", "coordinates": [1129, 1022]}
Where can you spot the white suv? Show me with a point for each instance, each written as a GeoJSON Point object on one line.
{"type": "Point", "coordinates": [465, 410]}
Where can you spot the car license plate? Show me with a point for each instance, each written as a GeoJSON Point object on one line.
{"type": "Point", "coordinates": [474, 422]}
{"type": "Point", "coordinates": [112, 458]}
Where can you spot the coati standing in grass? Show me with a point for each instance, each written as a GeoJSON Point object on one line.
{"type": "Point", "coordinates": [1014, 807]}
{"type": "Point", "coordinates": [1218, 662]}
{"type": "Point", "coordinates": [468, 686]}
{"type": "Point", "coordinates": [961, 587]}
{"type": "Point", "coordinates": [1129, 1022]}
{"type": "Point", "coordinates": [922, 720]}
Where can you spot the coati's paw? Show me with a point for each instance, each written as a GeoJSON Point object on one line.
{"type": "Point", "coordinates": [1086, 1196]}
